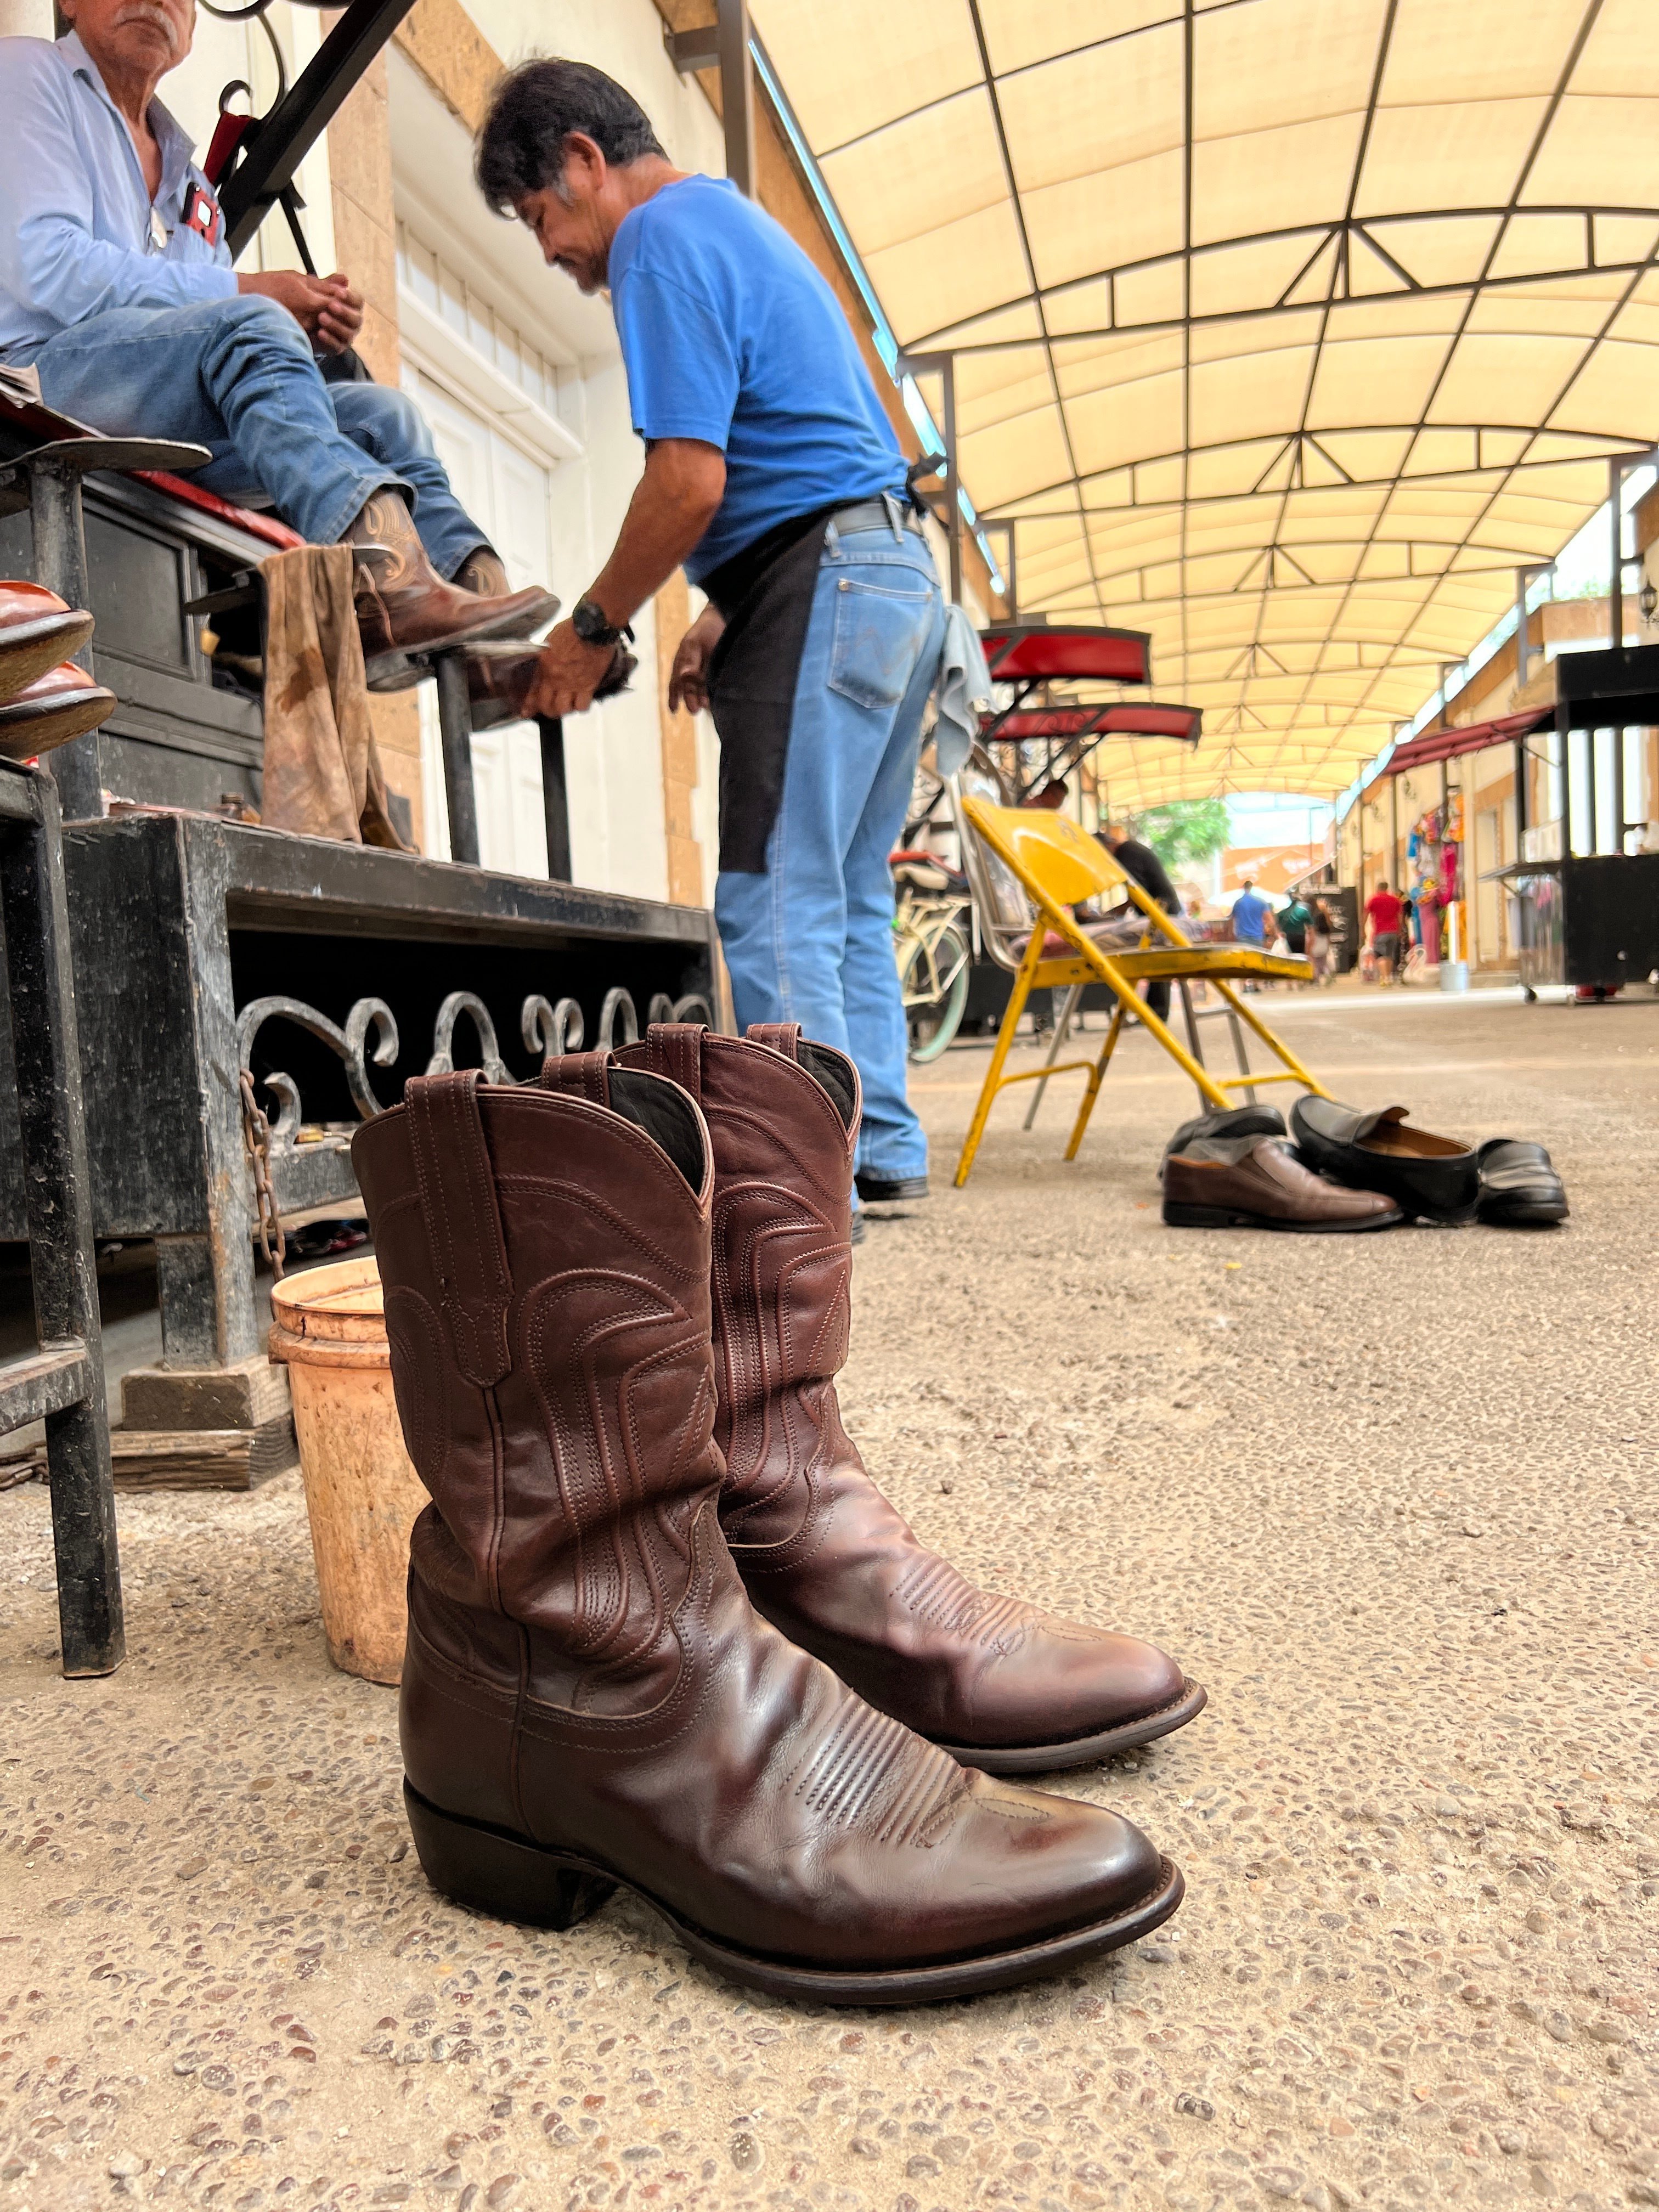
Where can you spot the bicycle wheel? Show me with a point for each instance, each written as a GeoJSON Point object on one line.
{"type": "Point", "coordinates": [934, 1021]}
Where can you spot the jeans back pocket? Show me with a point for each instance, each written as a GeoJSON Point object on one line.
{"type": "Point", "coordinates": [879, 632]}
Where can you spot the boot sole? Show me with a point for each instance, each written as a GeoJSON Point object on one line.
{"type": "Point", "coordinates": [1082, 1750]}
{"type": "Point", "coordinates": [1224, 1217]}
{"type": "Point", "coordinates": [509, 1878]}
{"type": "Point", "coordinates": [399, 667]}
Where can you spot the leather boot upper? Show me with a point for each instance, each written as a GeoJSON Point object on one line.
{"type": "Point", "coordinates": [824, 1554]}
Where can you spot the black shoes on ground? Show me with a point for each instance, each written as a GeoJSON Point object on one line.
{"type": "Point", "coordinates": [883, 1190]}
{"type": "Point", "coordinates": [1519, 1188]}
{"type": "Point", "coordinates": [1509, 1183]}
{"type": "Point", "coordinates": [1435, 1178]}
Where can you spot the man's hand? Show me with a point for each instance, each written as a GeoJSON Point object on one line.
{"type": "Point", "coordinates": [568, 674]}
{"type": "Point", "coordinates": [326, 308]}
{"type": "Point", "coordinates": [688, 681]}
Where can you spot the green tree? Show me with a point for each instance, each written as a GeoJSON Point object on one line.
{"type": "Point", "coordinates": [1186, 832]}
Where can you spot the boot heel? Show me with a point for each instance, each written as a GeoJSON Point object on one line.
{"type": "Point", "coordinates": [1202, 1216]}
{"type": "Point", "coordinates": [499, 1875]}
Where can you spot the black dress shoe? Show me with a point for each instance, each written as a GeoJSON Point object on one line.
{"type": "Point", "coordinates": [1435, 1177]}
{"type": "Point", "coordinates": [882, 1190]}
{"type": "Point", "coordinates": [1225, 1122]}
{"type": "Point", "coordinates": [1519, 1188]}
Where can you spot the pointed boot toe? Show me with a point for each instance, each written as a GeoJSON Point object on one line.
{"type": "Point", "coordinates": [825, 1556]}
{"type": "Point", "coordinates": [1098, 1693]}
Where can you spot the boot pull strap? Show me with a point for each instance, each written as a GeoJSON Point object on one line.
{"type": "Point", "coordinates": [782, 1036]}
{"type": "Point", "coordinates": [463, 1220]}
{"type": "Point", "coordinates": [587, 1073]}
{"type": "Point", "coordinates": [676, 1053]}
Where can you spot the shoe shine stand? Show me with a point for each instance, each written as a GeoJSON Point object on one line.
{"type": "Point", "coordinates": [203, 949]}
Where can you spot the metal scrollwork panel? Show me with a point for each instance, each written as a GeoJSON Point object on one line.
{"type": "Point", "coordinates": [370, 1034]}
{"type": "Point", "coordinates": [368, 1018]}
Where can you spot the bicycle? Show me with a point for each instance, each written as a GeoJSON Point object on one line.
{"type": "Point", "coordinates": [931, 944]}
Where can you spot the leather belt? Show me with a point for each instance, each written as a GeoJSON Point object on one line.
{"type": "Point", "coordinates": [877, 515]}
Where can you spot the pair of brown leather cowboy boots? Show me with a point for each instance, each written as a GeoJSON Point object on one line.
{"type": "Point", "coordinates": [664, 1630]}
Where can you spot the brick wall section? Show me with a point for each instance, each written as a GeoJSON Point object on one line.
{"type": "Point", "coordinates": [453, 56]}
{"type": "Point", "coordinates": [679, 751]}
{"type": "Point", "coordinates": [365, 242]}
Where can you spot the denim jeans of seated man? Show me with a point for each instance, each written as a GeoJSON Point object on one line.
{"type": "Point", "coordinates": [811, 941]}
{"type": "Point", "coordinates": [238, 376]}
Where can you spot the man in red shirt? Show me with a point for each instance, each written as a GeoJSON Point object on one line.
{"type": "Point", "coordinates": [1382, 912]}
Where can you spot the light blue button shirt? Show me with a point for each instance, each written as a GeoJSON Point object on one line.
{"type": "Point", "coordinates": [76, 233]}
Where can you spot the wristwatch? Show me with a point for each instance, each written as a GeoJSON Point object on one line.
{"type": "Point", "coordinates": [594, 627]}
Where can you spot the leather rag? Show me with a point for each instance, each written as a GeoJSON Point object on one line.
{"type": "Point", "coordinates": [323, 774]}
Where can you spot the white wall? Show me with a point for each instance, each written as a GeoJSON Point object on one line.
{"type": "Point", "coordinates": [613, 753]}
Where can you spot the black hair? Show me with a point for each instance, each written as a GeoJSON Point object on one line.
{"type": "Point", "coordinates": [521, 147]}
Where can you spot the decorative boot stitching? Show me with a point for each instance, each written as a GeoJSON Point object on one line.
{"type": "Point", "coordinates": [869, 1772]}
{"type": "Point", "coordinates": [934, 1591]}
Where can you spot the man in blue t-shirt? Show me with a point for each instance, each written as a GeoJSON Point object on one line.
{"type": "Point", "coordinates": [773, 475]}
{"type": "Point", "coordinates": [1250, 912]}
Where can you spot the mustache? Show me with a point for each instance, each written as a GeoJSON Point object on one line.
{"type": "Point", "coordinates": [145, 12]}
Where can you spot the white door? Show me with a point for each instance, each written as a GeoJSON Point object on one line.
{"type": "Point", "coordinates": [506, 494]}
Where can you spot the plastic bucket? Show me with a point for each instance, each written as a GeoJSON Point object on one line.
{"type": "Point", "coordinates": [1454, 975]}
{"type": "Point", "coordinates": [361, 1491]}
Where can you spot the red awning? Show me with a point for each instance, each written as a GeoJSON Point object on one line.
{"type": "Point", "coordinates": [1122, 718]}
{"type": "Point", "coordinates": [1020, 652]}
{"type": "Point", "coordinates": [1474, 737]}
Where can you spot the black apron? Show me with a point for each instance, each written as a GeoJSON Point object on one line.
{"type": "Point", "coordinates": [765, 593]}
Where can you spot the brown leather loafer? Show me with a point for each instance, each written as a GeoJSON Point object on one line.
{"type": "Point", "coordinates": [61, 704]}
{"type": "Point", "coordinates": [1258, 1182]}
{"type": "Point", "coordinates": [37, 630]}
{"type": "Point", "coordinates": [997, 1683]}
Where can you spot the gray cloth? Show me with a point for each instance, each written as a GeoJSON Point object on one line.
{"type": "Point", "coordinates": [964, 687]}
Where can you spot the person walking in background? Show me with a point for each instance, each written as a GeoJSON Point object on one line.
{"type": "Point", "coordinates": [1249, 915]}
{"type": "Point", "coordinates": [1382, 912]}
{"type": "Point", "coordinates": [1320, 933]}
{"type": "Point", "coordinates": [1294, 923]}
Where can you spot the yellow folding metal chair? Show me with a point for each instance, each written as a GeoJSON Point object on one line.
{"type": "Point", "coordinates": [1045, 864]}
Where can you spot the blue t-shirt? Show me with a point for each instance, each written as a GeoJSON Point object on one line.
{"type": "Point", "coordinates": [1250, 912]}
{"type": "Point", "coordinates": [731, 335]}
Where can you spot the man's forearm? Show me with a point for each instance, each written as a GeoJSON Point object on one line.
{"type": "Point", "coordinates": [673, 504]}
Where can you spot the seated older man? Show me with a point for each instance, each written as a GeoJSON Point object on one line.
{"type": "Point", "coordinates": [116, 284]}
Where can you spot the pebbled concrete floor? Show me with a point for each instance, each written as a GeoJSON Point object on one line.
{"type": "Point", "coordinates": [1393, 1498]}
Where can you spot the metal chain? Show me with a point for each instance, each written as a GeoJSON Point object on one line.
{"type": "Point", "coordinates": [256, 1135]}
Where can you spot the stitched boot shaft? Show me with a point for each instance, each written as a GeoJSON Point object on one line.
{"type": "Point", "coordinates": [824, 1554]}
{"type": "Point", "coordinates": [588, 1693]}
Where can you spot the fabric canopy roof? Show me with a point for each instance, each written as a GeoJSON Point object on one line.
{"type": "Point", "coordinates": [1283, 329]}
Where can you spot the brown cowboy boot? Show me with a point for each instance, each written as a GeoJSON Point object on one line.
{"type": "Point", "coordinates": [404, 605]}
{"type": "Point", "coordinates": [588, 1696]}
{"type": "Point", "coordinates": [997, 1683]}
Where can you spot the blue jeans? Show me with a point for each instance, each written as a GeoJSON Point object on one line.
{"type": "Point", "coordinates": [811, 941]}
{"type": "Point", "coordinates": [238, 376]}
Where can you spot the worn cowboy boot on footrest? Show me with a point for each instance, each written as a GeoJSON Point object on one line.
{"type": "Point", "coordinates": [404, 606]}
{"type": "Point", "coordinates": [588, 1696]}
{"type": "Point", "coordinates": [1000, 1684]}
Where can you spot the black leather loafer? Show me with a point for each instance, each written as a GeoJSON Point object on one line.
{"type": "Point", "coordinates": [882, 1190]}
{"type": "Point", "coordinates": [1435, 1177]}
{"type": "Point", "coordinates": [1225, 1122]}
{"type": "Point", "coordinates": [1519, 1188]}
